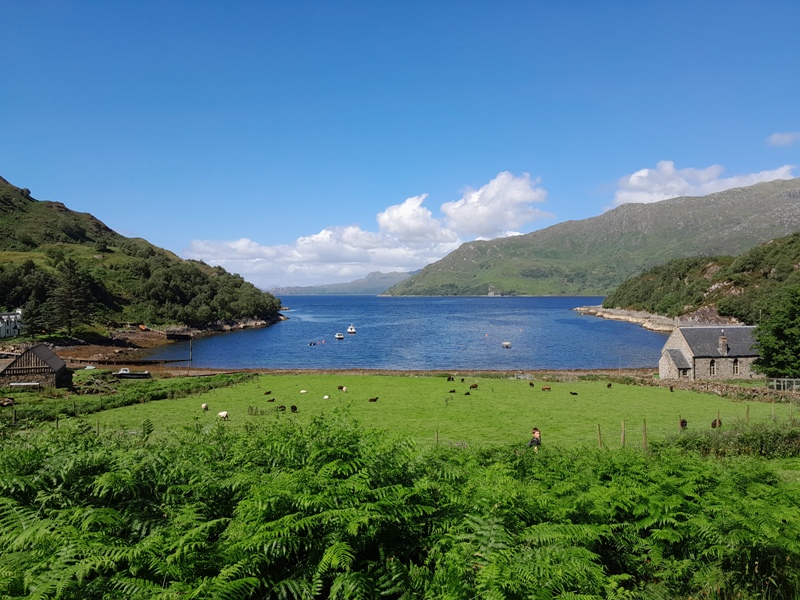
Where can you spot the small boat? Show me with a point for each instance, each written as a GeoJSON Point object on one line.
{"type": "Point", "coordinates": [506, 344]}
{"type": "Point", "coordinates": [339, 336]}
{"type": "Point", "coordinates": [351, 329]}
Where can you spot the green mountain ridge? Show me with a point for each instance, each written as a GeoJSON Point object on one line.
{"type": "Point", "coordinates": [746, 287]}
{"type": "Point", "coordinates": [66, 269]}
{"type": "Point", "coordinates": [593, 256]}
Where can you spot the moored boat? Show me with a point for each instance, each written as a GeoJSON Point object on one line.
{"type": "Point", "coordinates": [339, 336]}
{"type": "Point", "coordinates": [351, 329]}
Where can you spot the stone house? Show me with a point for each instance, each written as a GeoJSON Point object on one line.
{"type": "Point", "coordinates": [38, 364]}
{"type": "Point", "coordinates": [718, 352]}
{"type": "Point", "coordinates": [10, 323]}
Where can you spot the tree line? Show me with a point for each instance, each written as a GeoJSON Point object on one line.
{"type": "Point", "coordinates": [146, 286]}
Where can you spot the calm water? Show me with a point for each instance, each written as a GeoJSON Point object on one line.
{"type": "Point", "coordinates": [430, 333]}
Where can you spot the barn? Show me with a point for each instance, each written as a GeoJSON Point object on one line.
{"type": "Point", "coordinates": [709, 353]}
{"type": "Point", "coordinates": [36, 365]}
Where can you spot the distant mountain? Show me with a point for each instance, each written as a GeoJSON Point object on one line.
{"type": "Point", "coordinates": [593, 256]}
{"type": "Point", "coordinates": [374, 283]}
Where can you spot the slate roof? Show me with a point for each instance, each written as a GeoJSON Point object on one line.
{"type": "Point", "coordinates": [678, 359]}
{"type": "Point", "coordinates": [704, 341]}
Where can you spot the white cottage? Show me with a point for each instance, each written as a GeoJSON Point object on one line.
{"type": "Point", "coordinates": [10, 323]}
{"type": "Point", "coordinates": [708, 353]}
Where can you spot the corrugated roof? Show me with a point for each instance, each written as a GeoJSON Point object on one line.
{"type": "Point", "coordinates": [704, 341]}
{"type": "Point", "coordinates": [47, 355]}
{"type": "Point", "coordinates": [678, 359]}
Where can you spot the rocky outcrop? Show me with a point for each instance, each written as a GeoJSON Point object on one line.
{"type": "Point", "coordinates": [706, 315]}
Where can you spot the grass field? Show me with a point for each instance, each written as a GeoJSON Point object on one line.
{"type": "Point", "coordinates": [499, 411]}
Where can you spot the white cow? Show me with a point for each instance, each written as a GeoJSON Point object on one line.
{"type": "Point", "coordinates": [223, 415]}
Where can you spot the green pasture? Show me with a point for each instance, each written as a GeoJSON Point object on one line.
{"type": "Point", "coordinates": [499, 411]}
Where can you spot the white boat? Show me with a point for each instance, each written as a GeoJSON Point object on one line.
{"type": "Point", "coordinates": [339, 336]}
{"type": "Point", "coordinates": [506, 344]}
{"type": "Point", "coordinates": [351, 329]}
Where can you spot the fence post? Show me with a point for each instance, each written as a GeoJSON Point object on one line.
{"type": "Point", "coordinates": [599, 437]}
{"type": "Point", "coordinates": [622, 435]}
{"type": "Point", "coordinates": [747, 415]}
{"type": "Point", "coordinates": [644, 433]}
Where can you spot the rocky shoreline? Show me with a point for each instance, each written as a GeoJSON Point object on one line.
{"type": "Point", "coordinates": [706, 315]}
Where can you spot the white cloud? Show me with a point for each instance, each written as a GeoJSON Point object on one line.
{"type": "Point", "coordinates": [784, 139]}
{"type": "Point", "coordinates": [498, 208]}
{"type": "Point", "coordinates": [413, 223]}
{"type": "Point", "coordinates": [408, 238]}
{"type": "Point", "coordinates": [665, 181]}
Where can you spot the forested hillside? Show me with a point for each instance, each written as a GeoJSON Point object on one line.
{"type": "Point", "coordinates": [593, 256]}
{"type": "Point", "coordinates": [66, 269]}
{"type": "Point", "coordinates": [745, 287]}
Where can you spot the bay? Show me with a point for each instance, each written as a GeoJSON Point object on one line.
{"type": "Point", "coordinates": [429, 333]}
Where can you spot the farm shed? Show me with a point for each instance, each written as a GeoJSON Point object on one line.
{"type": "Point", "coordinates": [38, 364]}
{"type": "Point", "coordinates": [708, 353]}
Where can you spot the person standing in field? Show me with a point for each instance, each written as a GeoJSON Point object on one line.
{"type": "Point", "coordinates": [536, 439]}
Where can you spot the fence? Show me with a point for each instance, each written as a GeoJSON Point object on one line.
{"type": "Point", "coordinates": [783, 385]}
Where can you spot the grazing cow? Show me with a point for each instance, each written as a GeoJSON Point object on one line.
{"type": "Point", "coordinates": [462, 380]}
{"type": "Point", "coordinates": [341, 388]}
{"type": "Point", "coordinates": [375, 399]}
{"type": "Point", "coordinates": [270, 399]}
{"type": "Point", "coordinates": [466, 393]}
{"type": "Point", "coordinates": [293, 408]}
{"type": "Point", "coordinates": [531, 384]}
{"type": "Point", "coordinates": [474, 386]}
{"type": "Point", "coordinates": [282, 408]}
{"type": "Point", "coordinates": [684, 424]}
{"type": "Point", "coordinates": [573, 393]}
{"type": "Point", "coordinates": [223, 415]}
{"type": "Point", "coordinates": [303, 391]}
{"type": "Point", "coordinates": [451, 378]}
{"type": "Point", "coordinates": [546, 388]}
{"type": "Point", "coordinates": [672, 388]}
{"type": "Point", "coordinates": [608, 385]}
{"type": "Point", "coordinates": [716, 423]}
{"type": "Point", "coordinates": [204, 406]}
{"type": "Point", "coordinates": [268, 393]}
{"type": "Point", "coordinates": [451, 392]}
{"type": "Point", "coordinates": [325, 397]}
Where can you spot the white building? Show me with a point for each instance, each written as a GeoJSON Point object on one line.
{"type": "Point", "coordinates": [10, 323]}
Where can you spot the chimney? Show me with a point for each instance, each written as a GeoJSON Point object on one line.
{"type": "Point", "coordinates": [723, 344]}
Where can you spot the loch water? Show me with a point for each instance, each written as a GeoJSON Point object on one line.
{"type": "Point", "coordinates": [429, 333]}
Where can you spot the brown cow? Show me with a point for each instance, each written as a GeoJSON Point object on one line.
{"type": "Point", "coordinates": [474, 386]}
{"type": "Point", "coordinates": [530, 383]}
{"type": "Point", "coordinates": [716, 423]}
{"type": "Point", "coordinates": [545, 388]}
{"type": "Point", "coordinates": [375, 399]}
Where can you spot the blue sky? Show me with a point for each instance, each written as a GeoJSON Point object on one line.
{"type": "Point", "coordinates": [299, 143]}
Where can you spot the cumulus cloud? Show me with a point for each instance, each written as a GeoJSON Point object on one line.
{"type": "Point", "coordinates": [413, 223]}
{"type": "Point", "coordinates": [784, 139]}
{"type": "Point", "coordinates": [409, 237]}
{"type": "Point", "coordinates": [498, 208]}
{"type": "Point", "coordinates": [665, 181]}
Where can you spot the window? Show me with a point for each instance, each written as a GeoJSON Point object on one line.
{"type": "Point", "coordinates": [712, 367]}
{"type": "Point", "coordinates": [735, 366]}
